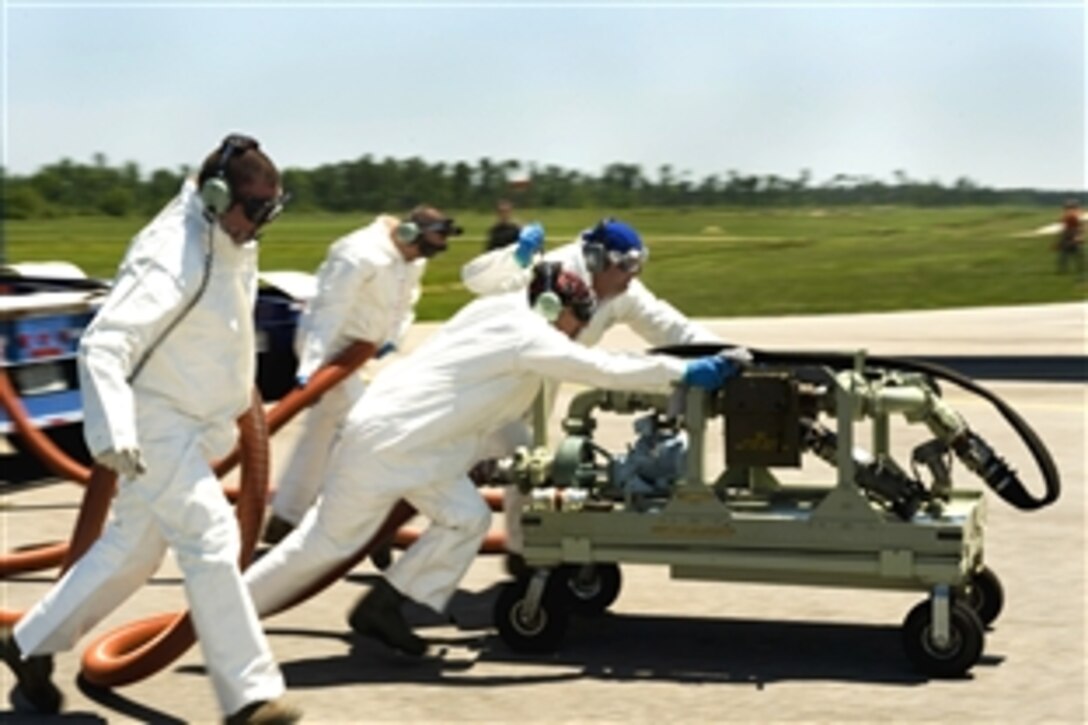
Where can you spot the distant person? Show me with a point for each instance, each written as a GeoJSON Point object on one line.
{"type": "Point", "coordinates": [504, 231]}
{"type": "Point", "coordinates": [1070, 244]}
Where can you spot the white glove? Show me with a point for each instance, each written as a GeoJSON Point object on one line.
{"type": "Point", "coordinates": [128, 462]}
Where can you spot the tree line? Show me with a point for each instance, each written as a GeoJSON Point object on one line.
{"type": "Point", "coordinates": [367, 184]}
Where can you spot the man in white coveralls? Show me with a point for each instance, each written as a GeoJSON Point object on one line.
{"type": "Point", "coordinates": [608, 257]}
{"type": "Point", "coordinates": [166, 367]}
{"type": "Point", "coordinates": [424, 422]}
{"type": "Point", "coordinates": [367, 290]}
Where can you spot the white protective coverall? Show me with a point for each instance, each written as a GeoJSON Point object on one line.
{"type": "Point", "coordinates": [366, 290]}
{"type": "Point", "coordinates": [180, 411]}
{"type": "Point", "coordinates": [421, 425]}
{"type": "Point", "coordinates": [655, 320]}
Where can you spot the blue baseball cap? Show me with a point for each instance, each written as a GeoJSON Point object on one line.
{"type": "Point", "coordinates": [615, 236]}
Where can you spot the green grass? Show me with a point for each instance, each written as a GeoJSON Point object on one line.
{"type": "Point", "coordinates": [707, 262]}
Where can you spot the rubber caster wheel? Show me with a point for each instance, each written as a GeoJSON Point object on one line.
{"type": "Point", "coordinates": [590, 588]}
{"type": "Point", "coordinates": [542, 632]}
{"type": "Point", "coordinates": [985, 595]}
{"type": "Point", "coordinates": [954, 659]}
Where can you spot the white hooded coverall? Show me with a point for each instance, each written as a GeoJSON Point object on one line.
{"type": "Point", "coordinates": [366, 290]}
{"type": "Point", "coordinates": [180, 411]}
{"type": "Point", "coordinates": [655, 320]}
{"type": "Point", "coordinates": [421, 425]}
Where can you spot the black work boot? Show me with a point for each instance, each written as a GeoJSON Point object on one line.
{"type": "Point", "coordinates": [34, 675]}
{"type": "Point", "coordinates": [378, 615]}
{"type": "Point", "coordinates": [266, 712]}
{"type": "Point", "coordinates": [276, 530]}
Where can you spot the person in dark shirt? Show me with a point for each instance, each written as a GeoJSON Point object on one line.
{"type": "Point", "coordinates": [1070, 242]}
{"type": "Point", "coordinates": [505, 230]}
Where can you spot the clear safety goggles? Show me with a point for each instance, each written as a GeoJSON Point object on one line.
{"type": "Point", "coordinates": [632, 261]}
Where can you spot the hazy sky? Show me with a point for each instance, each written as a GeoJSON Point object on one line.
{"type": "Point", "coordinates": [993, 91]}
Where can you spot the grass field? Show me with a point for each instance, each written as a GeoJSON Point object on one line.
{"type": "Point", "coordinates": [708, 262]}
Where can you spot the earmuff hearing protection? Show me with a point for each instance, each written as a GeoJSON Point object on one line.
{"type": "Point", "coordinates": [548, 304]}
{"type": "Point", "coordinates": [593, 248]}
{"type": "Point", "coordinates": [407, 232]}
{"type": "Point", "coordinates": [215, 192]}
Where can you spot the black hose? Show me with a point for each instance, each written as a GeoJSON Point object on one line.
{"type": "Point", "coordinates": [994, 471]}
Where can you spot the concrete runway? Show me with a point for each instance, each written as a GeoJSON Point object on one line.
{"type": "Point", "coordinates": [681, 650]}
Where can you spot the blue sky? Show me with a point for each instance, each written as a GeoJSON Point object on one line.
{"type": "Point", "coordinates": [992, 91]}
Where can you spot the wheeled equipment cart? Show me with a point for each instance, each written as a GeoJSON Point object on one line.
{"type": "Point", "coordinates": [877, 524]}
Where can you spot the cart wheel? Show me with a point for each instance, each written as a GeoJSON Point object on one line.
{"type": "Point", "coordinates": [543, 632]}
{"type": "Point", "coordinates": [590, 588]}
{"type": "Point", "coordinates": [966, 635]}
{"type": "Point", "coordinates": [985, 595]}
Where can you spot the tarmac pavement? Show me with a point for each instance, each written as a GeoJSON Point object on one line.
{"type": "Point", "coordinates": [683, 651]}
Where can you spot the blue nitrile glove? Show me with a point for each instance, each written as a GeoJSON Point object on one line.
{"type": "Point", "coordinates": [384, 350]}
{"type": "Point", "coordinates": [530, 241]}
{"type": "Point", "coordinates": [710, 373]}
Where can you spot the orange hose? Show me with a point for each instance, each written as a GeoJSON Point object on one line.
{"type": "Point", "coordinates": [493, 497]}
{"type": "Point", "coordinates": [39, 444]}
{"type": "Point", "coordinates": [32, 557]}
{"type": "Point", "coordinates": [137, 649]}
{"type": "Point", "coordinates": [493, 543]}
{"type": "Point", "coordinates": [42, 557]}
{"type": "Point", "coordinates": [97, 497]}
{"type": "Point", "coordinates": [298, 399]}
